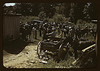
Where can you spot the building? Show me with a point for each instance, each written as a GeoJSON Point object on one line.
{"type": "Point", "coordinates": [11, 25]}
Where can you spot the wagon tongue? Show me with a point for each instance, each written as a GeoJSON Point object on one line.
{"type": "Point", "coordinates": [43, 61]}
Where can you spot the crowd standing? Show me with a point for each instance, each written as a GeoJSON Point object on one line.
{"type": "Point", "coordinates": [51, 29]}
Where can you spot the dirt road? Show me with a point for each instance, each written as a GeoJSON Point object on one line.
{"type": "Point", "coordinates": [24, 59]}
{"type": "Point", "coordinates": [28, 58]}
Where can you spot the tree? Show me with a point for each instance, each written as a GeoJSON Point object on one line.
{"type": "Point", "coordinates": [59, 18]}
{"type": "Point", "coordinates": [42, 15]}
{"type": "Point", "coordinates": [72, 12]}
{"type": "Point", "coordinates": [23, 8]}
{"type": "Point", "coordinates": [89, 11]}
{"type": "Point", "coordinates": [79, 11]}
{"type": "Point", "coordinates": [48, 8]}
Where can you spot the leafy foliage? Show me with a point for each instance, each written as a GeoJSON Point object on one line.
{"type": "Point", "coordinates": [42, 15]}
{"type": "Point", "coordinates": [56, 11]}
{"type": "Point", "coordinates": [58, 18]}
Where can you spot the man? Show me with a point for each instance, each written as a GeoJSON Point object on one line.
{"type": "Point", "coordinates": [58, 29]}
{"type": "Point", "coordinates": [35, 30]}
{"type": "Point", "coordinates": [86, 30]}
{"type": "Point", "coordinates": [78, 32]}
{"type": "Point", "coordinates": [73, 40]}
{"type": "Point", "coordinates": [62, 30]}
{"type": "Point", "coordinates": [44, 33]}
{"type": "Point", "coordinates": [66, 29]}
{"type": "Point", "coordinates": [22, 30]}
{"type": "Point", "coordinates": [65, 32]}
{"type": "Point", "coordinates": [52, 33]}
{"type": "Point", "coordinates": [29, 31]}
{"type": "Point", "coordinates": [40, 29]}
{"type": "Point", "coordinates": [75, 46]}
{"type": "Point", "coordinates": [26, 31]}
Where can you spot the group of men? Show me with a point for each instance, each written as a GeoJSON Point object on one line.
{"type": "Point", "coordinates": [51, 29]}
{"type": "Point", "coordinates": [46, 30]}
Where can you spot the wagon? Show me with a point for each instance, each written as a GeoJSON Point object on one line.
{"type": "Point", "coordinates": [53, 45]}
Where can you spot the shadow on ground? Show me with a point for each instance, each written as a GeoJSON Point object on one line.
{"type": "Point", "coordinates": [15, 46]}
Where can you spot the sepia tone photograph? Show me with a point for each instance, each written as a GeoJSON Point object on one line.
{"type": "Point", "coordinates": [49, 35]}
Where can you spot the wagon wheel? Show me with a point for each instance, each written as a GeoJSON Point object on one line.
{"type": "Point", "coordinates": [63, 52]}
{"type": "Point", "coordinates": [39, 49]}
{"type": "Point", "coordinates": [40, 52]}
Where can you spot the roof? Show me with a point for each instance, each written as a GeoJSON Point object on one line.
{"type": "Point", "coordinates": [12, 15]}
{"type": "Point", "coordinates": [37, 21]}
{"type": "Point", "coordinates": [94, 21]}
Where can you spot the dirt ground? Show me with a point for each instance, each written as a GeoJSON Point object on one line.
{"type": "Point", "coordinates": [28, 58]}
{"type": "Point", "coordinates": [24, 59]}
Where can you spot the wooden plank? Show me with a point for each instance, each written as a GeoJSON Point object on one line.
{"type": "Point", "coordinates": [81, 58]}
{"type": "Point", "coordinates": [88, 47]}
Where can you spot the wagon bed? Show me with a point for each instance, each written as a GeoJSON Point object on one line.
{"type": "Point", "coordinates": [50, 44]}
